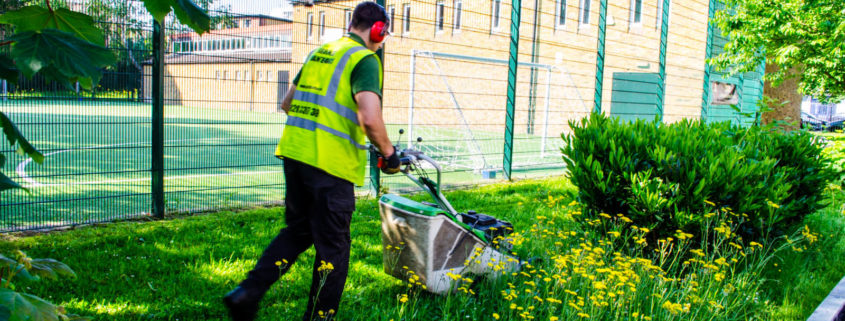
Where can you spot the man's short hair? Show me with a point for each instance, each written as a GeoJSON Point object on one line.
{"type": "Point", "coordinates": [366, 14]}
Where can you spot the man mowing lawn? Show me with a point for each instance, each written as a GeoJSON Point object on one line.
{"type": "Point", "coordinates": [335, 102]}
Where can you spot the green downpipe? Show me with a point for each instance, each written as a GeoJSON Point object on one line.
{"type": "Point", "coordinates": [600, 55]}
{"type": "Point", "coordinates": [664, 36]}
{"type": "Point", "coordinates": [708, 53]}
{"type": "Point", "coordinates": [516, 14]}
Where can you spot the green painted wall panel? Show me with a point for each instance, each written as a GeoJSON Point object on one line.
{"type": "Point", "coordinates": [635, 96]}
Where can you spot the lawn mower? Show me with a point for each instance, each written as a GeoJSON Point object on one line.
{"type": "Point", "coordinates": [434, 245]}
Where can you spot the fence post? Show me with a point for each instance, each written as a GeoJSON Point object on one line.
{"type": "Point", "coordinates": [157, 125]}
{"type": "Point", "coordinates": [708, 53]}
{"type": "Point", "coordinates": [600, 55]}
{"type": "Point", "coordinates": [664, 36]}
{"type": "Point", "coordinates": [516, 14]}
{"type": "Point", "coordinates": [375, 174]}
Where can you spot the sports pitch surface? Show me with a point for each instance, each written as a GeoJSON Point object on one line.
{"type": "Point", "coordinates": [98, 159]}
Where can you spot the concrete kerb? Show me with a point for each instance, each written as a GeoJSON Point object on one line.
{"type": "Point", "coordinates": [833, 307]}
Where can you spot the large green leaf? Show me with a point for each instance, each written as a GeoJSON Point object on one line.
{"type": "Point", "coordinates": [5, 313]}
{"type": "Point", "coordinates": [158, 8]}
{"type": "Point", "coordinates": [7, 183]}
{"type": "Point", "coordinates": [27, 307]}
{"type": "Point", "coordinates": [192, 15]}
{"type": "Point", "coordinates": [186, 10]}
{"type": "Point", "coordinates": [36, 18]}
{"type": "Point", "coordinates": [62, 56]}
{"type": "Point", "coordinates": [4, 260]}
{"type": "Point", "coordinates": [8, 70]}
{"type": "Point", "coordinates": [13, 135]}
{"type": "Point", "coordinates": [50, 268]}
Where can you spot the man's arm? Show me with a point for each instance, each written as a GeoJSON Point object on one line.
{"type": "Point", "coordinates": [288, 99]}
{"type": "Point", "coordinates": [369, 115]}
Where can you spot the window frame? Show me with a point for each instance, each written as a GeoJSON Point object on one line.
{"type": "Point", "coordinates": [322, 21]}
{"type": "Point", "coordinates": [584, 12]}
{"type": "Point", "coordinates": [439, 16]}
{"type": "Point", "coordinates": [391, 12]}
{"type": "Point", "coordinates": [560, 14]}
{"type": "Point", "coordinates": [309, 25]}
{"type": "Point", "coordinates": [636, 16]}
{"type": "Point", "coordinates": [406, 17]}
{"type": "Point", "coordinates": [495, 15]}
{"type": "Point", "coordinates": [457, 15]}
{"type": "Point", "coordinates": [347, 18]}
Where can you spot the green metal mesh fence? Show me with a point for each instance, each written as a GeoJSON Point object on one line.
{"type": "Point", "coordinates": [446, 80]}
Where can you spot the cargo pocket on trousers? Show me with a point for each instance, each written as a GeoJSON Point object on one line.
{"type": "Point", "coordinates": [342, 199]}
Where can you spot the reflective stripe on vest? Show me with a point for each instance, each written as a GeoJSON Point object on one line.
{"type": "Point", "coordinates": [312, 125]}
{"type": "Point", "coordinates": [322, 128]}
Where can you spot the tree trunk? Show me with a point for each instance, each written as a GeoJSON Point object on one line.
{"type": "Point", "coordinates": [786, 100]}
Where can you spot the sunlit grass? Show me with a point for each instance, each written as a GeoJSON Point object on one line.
{"type": "Point", "coordinates": [181, 268]}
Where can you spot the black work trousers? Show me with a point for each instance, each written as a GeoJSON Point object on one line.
{"type": "Point", "coordinates": [318, 208]}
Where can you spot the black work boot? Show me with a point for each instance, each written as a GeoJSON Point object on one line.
{"type": "Point", "coordinates": [242, 304]}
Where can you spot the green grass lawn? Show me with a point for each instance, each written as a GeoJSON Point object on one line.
{"type": "Point", "coordinates": [181, 268]}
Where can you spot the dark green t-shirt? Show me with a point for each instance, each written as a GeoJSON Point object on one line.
{"type": "Point", "coordinates": [365, 76]}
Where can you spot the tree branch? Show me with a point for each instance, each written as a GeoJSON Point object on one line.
{"type": "Point", "coordinates": [5, 43]}
{"type": "Point", "coordinates": [49, 7]}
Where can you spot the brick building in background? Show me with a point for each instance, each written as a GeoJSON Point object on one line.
{"type": "Point", "coordinates": [249, 67]}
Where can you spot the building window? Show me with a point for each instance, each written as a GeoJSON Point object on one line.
{"type": "Point", "coordinates": [659, 21]}
{"type": "Point", "coordinates": [584, 16]}
{"type": "Point", "coordinates": [246, 23]}
{"type": "Point", "coordinates": [247, 75]}
{"type": "Point", "coordinates": [225, 74]}
{"type": "Point", "coordinates": [439, 16]}
{"type": "Point", "coordinates": [217, 74]}
{"type": "Point", "coordinates": [391, 12]}
{"type": "Point", "coordinates": [347, 18]}
{"type": "Point", "coordinates": [456, 20]}
{"type": "Point", "coordinates": [723, 93]}
{"type": "Point", "coordinates": [560, 19]}
{"type": "Point", "coordinates": [269, 76]}
{"type": "Point", "coordinates": [259, 76]}
{"type": "Point", "coordinates": [637, 12]}
{"type": "Point", "coordinates": [495, 13]}
{"type": "Point", "coordinates": [406, 9]}
{"type": "Point", "coordinates": [310, 23]}
{"type": "Point", "coordinates": [322, 24]}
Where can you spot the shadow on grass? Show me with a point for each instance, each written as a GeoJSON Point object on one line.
{"type": "Point", "coordinates": [181, 268]}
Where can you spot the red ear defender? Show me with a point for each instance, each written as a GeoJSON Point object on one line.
{"type": "Point", "coordinates": [377, 32]}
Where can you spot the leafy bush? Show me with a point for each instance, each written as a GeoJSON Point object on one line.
{"type": "Point", "coordinates": [668, 176]}
{"type": "Point", "coordinates": [15, 305]}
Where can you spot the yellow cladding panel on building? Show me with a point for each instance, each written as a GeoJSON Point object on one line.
{"type": "Point", "coordinates": [479, 88]}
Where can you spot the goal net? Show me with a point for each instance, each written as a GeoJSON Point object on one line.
{"type": "Point", "coordinates": [457, 104]}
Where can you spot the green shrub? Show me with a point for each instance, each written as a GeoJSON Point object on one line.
{"type": "Point", "coordinates": [668, 176]}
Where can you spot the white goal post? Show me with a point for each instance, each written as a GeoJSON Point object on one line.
{"type": "Point", "coordinates": [434, 55]}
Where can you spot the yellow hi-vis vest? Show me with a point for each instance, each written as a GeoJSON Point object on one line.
{"type": "Point", "coordinates": [322, 128]}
